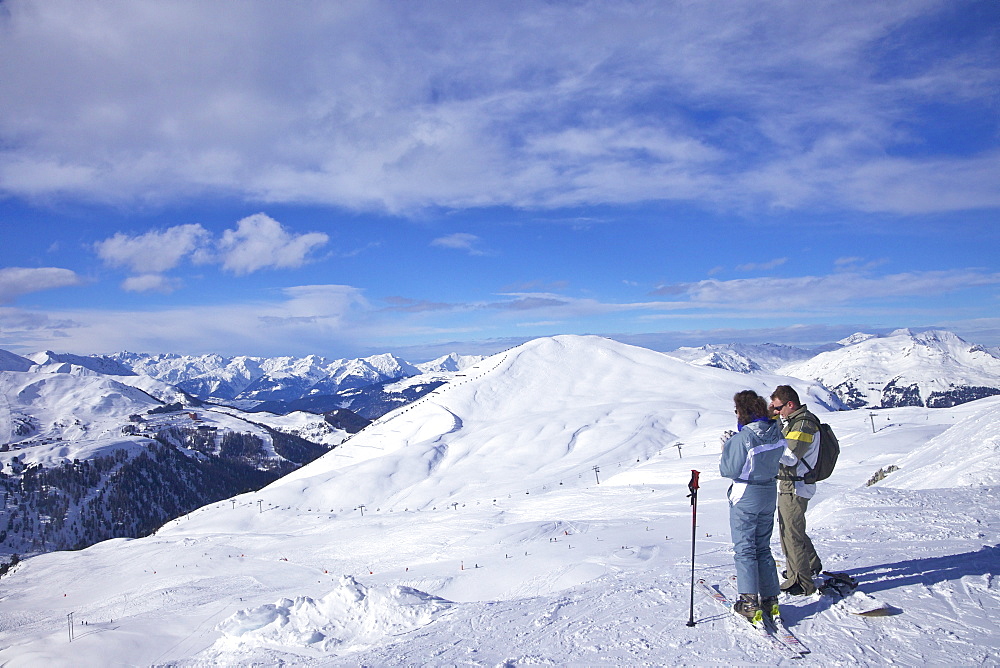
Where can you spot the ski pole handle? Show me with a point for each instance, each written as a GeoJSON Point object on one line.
{"type": "Point", "coordinates": [693, 487]}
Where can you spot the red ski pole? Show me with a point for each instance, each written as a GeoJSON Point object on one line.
{"type": "Point", "coordinates": [693, 486]}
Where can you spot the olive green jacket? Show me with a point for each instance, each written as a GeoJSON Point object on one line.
{"type": "Point", "coordinates": [802, 436]}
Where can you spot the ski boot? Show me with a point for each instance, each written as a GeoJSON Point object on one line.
{"type": "Point", "coordinates": [769, 605]}
{"type": "Point", "coordinates": [838, 585]}
{"type": "Point", "coordinates": [749, 607]}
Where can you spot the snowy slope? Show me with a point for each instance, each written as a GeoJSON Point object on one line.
{"type": "Point", "coordinates": [66, 407]}
{"type": "Point", "coordinates": [165, 392]}
{"type": "Point", "coordinates": [551, 408]}
{"type": "Point", "coordinates": [934, 368]}
{"type": "Point", "coordinates": [65, 416]}
{"type": "Point", "coordinates": [103, 365]}
{"type": "Point", "coordinates": [309, 426]}
{"type": "Point", "coordinates": [534, 513]}
{"type": "Point", "coordinates": [11, 362]}
{"type": "Point", "coordinates": [965, 456]}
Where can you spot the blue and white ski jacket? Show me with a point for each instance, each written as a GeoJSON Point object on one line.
{"type": "Point", "coordinates": [752, 455]}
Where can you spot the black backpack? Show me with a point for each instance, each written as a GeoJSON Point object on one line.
{"type": "Point", "coordinates": [829, 451]}
{"type": "Point", "coordinates": [826, 461]}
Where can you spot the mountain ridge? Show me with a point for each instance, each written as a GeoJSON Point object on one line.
{"type": "Point", "coordinates": [249, 379]}
{"type": "Point", "coordinates": [935, 368]}
{"type": "Point", "coordinates": [323, 421]}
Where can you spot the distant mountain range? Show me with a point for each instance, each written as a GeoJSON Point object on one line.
{"type": "Point", "coordinates": [747, 358]}
{"type": "Point", "coordinates": [85, 457]}
{"type": "Point", "coordinates": [94, 447]}
{"type": "Point", "coordinates": [933, 368]}
{"type": "Point", "coordinates": [98, 447]}
{"type": "Point", "coordinates": [276, 384]}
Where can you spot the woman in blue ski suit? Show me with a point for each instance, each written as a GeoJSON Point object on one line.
{"type": "Point", "coordinates": [750, 457]}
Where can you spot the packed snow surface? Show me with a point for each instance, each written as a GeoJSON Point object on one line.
{"type": "Point", "coordinates": [937, 464]}
{"type": "Point", "coordinates": [536, 512]}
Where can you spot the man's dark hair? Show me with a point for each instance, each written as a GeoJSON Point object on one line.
{"type": "Point", "coordinates": [750, 406]}
{"type": "Point", "coordinates": [786, 393]}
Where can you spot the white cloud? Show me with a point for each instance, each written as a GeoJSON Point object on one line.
{"type": "Point", "coordinates": [858, 264]}
{"type": "Point", "coordinates": [820, 292]}
{"type": "Point", "coordinates": [260, 242]}
{"type": "Point", "coordinates": [917, 186]}
{"type": "Point", "coordinates": [323, 301]}
{"type": "Point", "coordinates": [302, 320]}
{"type": "Point", "coordinates": [459, 241]}
{"type": "Point", "coordinates": [17, 281]}
{"type": "Point", "coordinates": [399, 106]}
{"type": "Point", "coordinates": [156, 251]}
{"type": "Point", "coordinates": [151, 283]}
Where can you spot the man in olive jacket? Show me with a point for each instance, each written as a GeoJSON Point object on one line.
{"type": "Point", "coordinates": [802, 435]}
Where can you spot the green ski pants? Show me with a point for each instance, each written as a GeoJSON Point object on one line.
{"type": "Point", "coordinates": [801, 560]}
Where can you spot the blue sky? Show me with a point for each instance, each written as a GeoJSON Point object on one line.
{"type": "Point", "coordinates": [348, 178]}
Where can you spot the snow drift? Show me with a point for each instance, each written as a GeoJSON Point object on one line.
{"type": "Point", "coordinates": [350, 616]}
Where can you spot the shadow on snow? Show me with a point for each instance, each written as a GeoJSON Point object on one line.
{"type": "Point", "coordinates": [929, 571]}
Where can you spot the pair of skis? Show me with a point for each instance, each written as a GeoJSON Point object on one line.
{"type": "Point", "coordinates": [772, 631]}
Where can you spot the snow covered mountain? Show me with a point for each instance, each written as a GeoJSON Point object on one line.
{"type": "Point", "coordinates": [287, 379]}
{"type": "Point", "coordinates": [11, 362]}
{"type": "Point", "coordinates": [535, 512]}
{"type": "Point", "coordinates": [452, 362]}
{"type": "Point", "coordinates": [368, 401]}
{"type": "Point", "coordinates": [932, 368]}
{"type": "Point", "coordinates": [202, 376]}
{"type": "Point", "coordinates": [75, 430]}
{"type": "Point", "coordinates": [86, 456]}
{"type": "Point", "coordinates": [60, 362]}
{"type": "Point", "coordinates": [742, 357]}
{"type": "Point", "coordinates": [64, 407]}
{"type": "Point", "coordinates": [264, 379]}
{"type": "Point", "coordinates": [80, 365]}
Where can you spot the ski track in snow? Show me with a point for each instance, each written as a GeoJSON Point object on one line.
{"type": "Point", "coordinates": [537, 562]}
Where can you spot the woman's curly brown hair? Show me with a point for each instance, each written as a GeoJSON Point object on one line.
{"type": "Point", "coordinates": [750, 406]}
